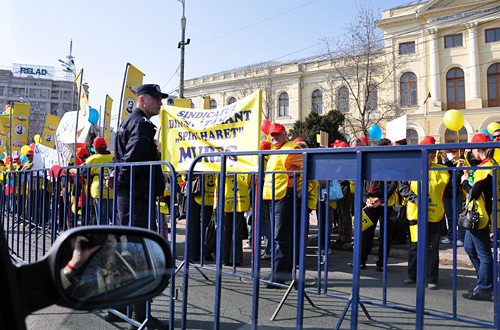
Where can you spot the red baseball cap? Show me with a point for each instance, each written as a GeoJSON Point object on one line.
{"type": "Point", "coordinates": [481, 137]}
{"type": "Point", "coordinates": [99, 142]}
{"type": "Point", "coordinates": [364, 139]}
{"type": "Point", "coordinates": [428, 140]}
{"type": "Point", "coordinates": [81, 152]}
{"type": "Point", "coordinates": [299, 139]}
{"type": "Point", "coordinates": [30, 152]}
{"type": "Point", "coordinates": [276, 128]}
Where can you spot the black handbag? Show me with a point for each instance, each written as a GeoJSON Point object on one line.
{"type": "Point", "coordinates": [469, 219]}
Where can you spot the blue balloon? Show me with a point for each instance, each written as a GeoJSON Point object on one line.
{"type": "Point", "coordinates": [375, 132]}
{"type": "Point", "coordinates": [24, 159]}
{"type": "Point", "coordinates": [93, 116]}
{"type": "Point", "coordinates": [485, 131]}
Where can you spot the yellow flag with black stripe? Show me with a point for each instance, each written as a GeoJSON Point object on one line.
{"type": "Point", "coordinates": [83, 115]}
{"type": "Point", "coordinates": [20, 124]}
{"type": "Point", "coordinates": [48, 137]}
{"type": "Point", "coordinates": [107, 117]}
{"type": "Point", "coordinates": [132, 81]}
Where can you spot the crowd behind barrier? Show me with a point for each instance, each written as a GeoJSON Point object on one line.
{"type": "Point", "coordinates": [223, 211]}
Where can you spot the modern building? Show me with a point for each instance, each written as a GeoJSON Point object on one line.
{"type": "Point", "coordinates": [441, 55]}
{"type": "Point", "coordinates": [42, 88]}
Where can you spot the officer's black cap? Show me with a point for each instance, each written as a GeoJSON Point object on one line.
{"type": "Point", "coordinates": [151, 89]}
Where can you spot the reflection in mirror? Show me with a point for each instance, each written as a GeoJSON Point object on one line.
{"type": "Point", "coordinates": [98, 267]}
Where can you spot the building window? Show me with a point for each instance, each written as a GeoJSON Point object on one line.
{"type": "Point", "coordinates": [494, 85]}
{"type": "Point", "coordinates": [408, 85]}
{"type": "Point", "coordinates": [407, 48]}
{"type": "Point", "coordinates": [283, 105]}
{"type": "Point", "coordinates": [411, 136]}
{"type": "Point", "coordinates": [371, 97]}
{"type": "Point", "coordinates": [492, 35]}
{"type": "Point", "coordinates": [455, 88]}
{"type": "Point", "coordinates": [343, 99]}
{"type": "Point", "coordinates": [231, 100]}
{"type": "Point", "coordinates": [317, 102]}
{"type": "Point", "coordinates": [453, 40]}
{"type": "Point", "coordinates": [213, 104]}
{"type": "Point", "coordinates": [455, 137]}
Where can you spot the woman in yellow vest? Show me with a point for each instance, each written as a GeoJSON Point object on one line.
{"type": "Point", "coordinates": [242, 193]}
{"type": "Point", "coordinates": [477, 242]}
{"type": "Point", "coordinates": [438, 186]}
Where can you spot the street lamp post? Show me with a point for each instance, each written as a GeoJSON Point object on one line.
{"type": "Point", "coordinates": [181, 45]}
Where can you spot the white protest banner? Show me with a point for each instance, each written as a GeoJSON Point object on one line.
{"type": "Point", "coordinates": [187, 133]}
{"type": "Point", "coordinates": [396, 129]}
{"type": "Point", "coordinates": [44, 157]}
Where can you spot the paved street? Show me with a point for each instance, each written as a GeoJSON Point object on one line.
{"type": "Point", "coordinates": [236, 303]}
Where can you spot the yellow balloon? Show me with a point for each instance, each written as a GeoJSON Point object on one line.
{"type": "Point", "coordinates": [36, 138]}
{"type": "Point", "coordinates": [8, 111]}
{"type": "Point", "coordinates": [25, 149]}
{"type": "Point", "coordinates": [453, 120]}
{"type": "Point", "coordinates": [492, 127]}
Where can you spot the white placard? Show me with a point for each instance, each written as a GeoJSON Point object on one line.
{"type": "Point", "coordinates": [396, 129]}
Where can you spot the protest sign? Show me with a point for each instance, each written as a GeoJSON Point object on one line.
{"type": "Point", "coordinates": [20, 124]}
{"type": "Point", "coordinates": [396, 129]}
{"type": "Point", "coordinates": [49, 130]}
{"type": "Point", "coordinates": [44, 157]}
{"type": "Point", "coordinates": [187, 133]}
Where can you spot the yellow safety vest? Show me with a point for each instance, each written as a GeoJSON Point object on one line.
{"type": "Point", "coordinates": [312, 196]}
{"type": "Point", "coordinates": [438, 180]}
{"type": "Point", "coordinates": [243, 199]}
{"type": "Point", "coordinates": [274, 164]}
{"type": "Point", "coordinates": [496, 155]}
{"type": "Point", "coordinates": [484, 217]}
{"type": "Point", "coordinates": [95, 172]}
{"type": "Point", "coordinates": [209, 191]}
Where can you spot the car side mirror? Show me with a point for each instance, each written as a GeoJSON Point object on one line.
{"type": "Point", "coordinates": [96, 267]}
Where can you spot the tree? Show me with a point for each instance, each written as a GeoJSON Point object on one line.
{"type": "Point", "coordinates": [315, 123]}
{"type": "Point", "coordinates": [362, 70]}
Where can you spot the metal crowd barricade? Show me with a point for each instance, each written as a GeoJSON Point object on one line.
{"type": "Point", "coordinates": [392, 163]}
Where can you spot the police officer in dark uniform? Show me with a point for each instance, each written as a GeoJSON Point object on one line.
{"type": "Point", "coordinates": [135, 143]}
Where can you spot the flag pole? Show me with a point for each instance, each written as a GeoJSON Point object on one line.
{"type": "Point", "coordinates": [78, 112]}
{"type": "Point", "coordinates": [121, 96]}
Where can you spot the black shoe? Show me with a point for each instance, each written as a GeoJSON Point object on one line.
{"type": "Point", "coordinates": [410, 281]}
{"type": "Point", "coordinates": [154, 323]}
{"type": "Point", "coordinates": [380, 269]}
{"type": "Point", "coordinates": [362, 266]}
{"type": "Point", "coordinates": [476, 295]}
{"type": "Point", "coordinates": [273, 286]}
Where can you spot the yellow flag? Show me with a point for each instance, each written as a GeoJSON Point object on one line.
{"type": "Point", "coordinates": [83, 116]}
{"type": "Point", "coordinates": [49, 131]}
{"type": "Point", "coordinates": [107, 117]}
{"type": "Point", "coordinates": [183, 103]}
{"type": "Point", "coordinates": [20, 124]}
{"type": "Point", "coordinates": [4, 131]}
{"type": "Point", "coordinates": [133, 80]}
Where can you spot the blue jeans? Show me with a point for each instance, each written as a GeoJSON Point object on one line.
{"type": "Point", "coordinates": [265, 226]}
{"type": "Point", "coordinates": [478, 247]}
{"type": "Point", "coordinates": [103, 211]}
{"type": "Point", "coordinates": [140, 216]}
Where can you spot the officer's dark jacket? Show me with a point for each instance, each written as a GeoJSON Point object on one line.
{"type": "Point", "coordinates": [135, 143]}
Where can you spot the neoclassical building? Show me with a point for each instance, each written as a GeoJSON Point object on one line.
{"type": "Point", "coordinates": [445, 55]}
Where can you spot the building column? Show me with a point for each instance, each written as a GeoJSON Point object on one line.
{"type": "Point", "coordinates": [474, 83]}
{"type": "Point", "coordinates": [434, 70]}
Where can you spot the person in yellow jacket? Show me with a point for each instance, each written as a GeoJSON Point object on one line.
{"type": "Point", "coordinates": [102, 195]}
{"type": "Point", "coordinates": [236, 185]}
{"type": "Point", "coordinates": [282, 193]}
{"type": "Point", "coordinates": [439, 185]}
{"type": "Point", "coordinates": [477, 242]}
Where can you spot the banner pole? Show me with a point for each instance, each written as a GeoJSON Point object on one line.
{"type": "Point", "coordinates": [121, 96]}
{"type": "Point", "coordinates": [10, 134]}
{"type": "Point", "coordinates": [78, 112]}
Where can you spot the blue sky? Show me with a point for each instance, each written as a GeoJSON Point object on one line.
{"type": "Point", "coordinates": [225, 34]}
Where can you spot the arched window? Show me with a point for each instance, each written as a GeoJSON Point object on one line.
{"type": "Point", "coordinates": [455, 137]}
{"type": "Point", "coordinates": [213, 104]}
{"type": "Point", "coordinates": [343, 99]}
{"type": "Point", "coordinates": [283, 105]}
{"type": "Point", "coordinates": [411, 136]}
{"type": "Point", "coordinates": [231, 100]}
{"type": "Point", "coordinates": [371, 97]}
{"type": "Point", "coordinates": [494, 85]}
{"type": "Point", "coordinates": [408, 87]}
{"type": "Point", "coordinates": [317, 102]}
{"type": "Point", "coordinates": [455, 88]}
